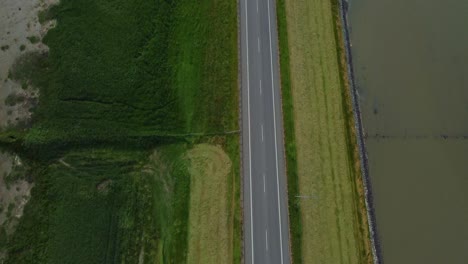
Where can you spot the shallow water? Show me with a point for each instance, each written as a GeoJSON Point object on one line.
{"type": "Point", "coordinates": [411, 65]}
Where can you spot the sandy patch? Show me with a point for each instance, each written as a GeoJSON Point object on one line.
{"type": "Point", "coordinates": [20, 32]}
{"type": "Point", "coordinates": [13, 195]}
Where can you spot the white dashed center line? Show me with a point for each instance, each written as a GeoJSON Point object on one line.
{"type": "Point", "coordinates": [262, 131]}
{"type": "Point", "coordinates": [258, 44]}
{"type": "Point", "coordinates": [260, 87]}
{"type": "Point", "coordinates": [264, 183]}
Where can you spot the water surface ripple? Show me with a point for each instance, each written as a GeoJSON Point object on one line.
{"type": "Point", "coordinates": [411, 66]}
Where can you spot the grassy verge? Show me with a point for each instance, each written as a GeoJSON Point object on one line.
{"type": "Point", "coordinates": [328, 222]}
{"type": "Point", "coordinates": [208, 241]}
{"type": "Point", "coordinates": [288, 116]}
{"type": "Point", "coordinates": [205, 64]}
{"type": "Point", "coordinates": [233, 150]}
{"type": "Point", "coordinates": [361, 220]}
{"type": "Point", "coordinates": [209, 103]}
{"type": "Point", "coordinates": [121, 89]}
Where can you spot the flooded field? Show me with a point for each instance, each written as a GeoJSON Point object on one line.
{"type": "Point", "coordinates": [411, 66]}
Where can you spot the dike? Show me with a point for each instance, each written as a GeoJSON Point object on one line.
{"type": "Point", "coordinates": [376, 249]}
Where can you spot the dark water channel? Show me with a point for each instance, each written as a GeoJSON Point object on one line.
{"type": "Point", "coordinates": [411, 67]}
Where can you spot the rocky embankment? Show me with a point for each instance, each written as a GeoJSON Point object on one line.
{"type": "Point", "coordinates": [376, 250]}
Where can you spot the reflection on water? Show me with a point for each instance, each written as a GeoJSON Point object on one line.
{"type": "Point", "coordinates": [411, 65]}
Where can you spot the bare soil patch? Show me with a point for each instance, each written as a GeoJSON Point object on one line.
{"type": "Point", "coordinates": [14, 194]}
{"type": "Point", "coordinates": [20, 33]}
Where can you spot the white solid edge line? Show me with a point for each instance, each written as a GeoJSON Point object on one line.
{"type": "Point", "coordinates": [248, 115]}
{"type": "Point", "coordinates": [274, 125]}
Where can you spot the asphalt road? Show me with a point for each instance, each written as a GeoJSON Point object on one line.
{"type": "Point", "coordinates": [266, 227]}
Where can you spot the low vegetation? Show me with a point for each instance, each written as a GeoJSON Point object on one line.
{"type": "Point", "coordinates": [13, 99]}
{"type": "Point", "coordinates": [67, 208]}
{"type": "Point", "coordinates": [33, 39]}
{"type": "Point", "coordinates": [290, 143]}
{"type": "Point", "coordinates": [327, 211]}
{"type": "Point", "coordinates": [128, 91]}
{"type": "Point", "coordinates": [210, 209]}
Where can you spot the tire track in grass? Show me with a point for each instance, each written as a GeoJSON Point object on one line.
{"type": "Point", "coordinates": [333, 129]}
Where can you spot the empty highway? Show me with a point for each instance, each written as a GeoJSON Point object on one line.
{"type": "Point", "coordinates": [266, 228]}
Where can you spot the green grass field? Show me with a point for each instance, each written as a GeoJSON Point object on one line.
{"type": "Point", "coordinates": [328, 224]}
{"type": "Point", "coordinates": [68, 207]}
{"type": "Point", "coordinates": [123, 89]}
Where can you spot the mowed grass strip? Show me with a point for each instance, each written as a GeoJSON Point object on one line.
{"type": "Point", "coordinates": [210, 227]}
{"type": "Point", "coordinates": [333, 223]}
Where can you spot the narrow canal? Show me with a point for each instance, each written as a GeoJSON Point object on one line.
{"type": "Point", "coordinates": [411, 67]}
